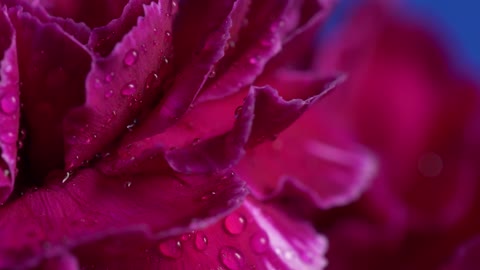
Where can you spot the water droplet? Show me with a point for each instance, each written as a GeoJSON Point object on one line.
{"type": "Point", "coordinates": [186, 236]}
{"type": "Point", "coordinates": [208, 196]}
{"type": "Point", "coordinates": [97, 84]}
{"type": "Point", "coordinates": [67, 176]}
{"type": "Point", "coordinates": [171, 248]}
{"type": "Point", "coordinates": [168, 34]}
{"type": "Point", "coordinates": [201, 241]}
{"type": "Point", "coordinates": [165, 59]}
{"type": "Point", "coordinates": [232, 258]}
{"type": "Point", "coordinates": [253, 60]}
{"type": "Point", "coordinates": [129, 89]}
{"type": "Point", "coordinates": [8, 137]}
{"type": "Point", "coordinates": [212, 74]}
{"type": "Point", "coordinates": [8, 68]}
{"type": "Point", "coordinates": [228, 176]}
{"type": "Point", "coordinates": [109, 93]}
{"type": "Point", "coordinates": [127, 184]}
{"type": "Point", "coordinates": [152, 81]}
{"type": "Point", "coordinates": [196, 141]}
{"type": "Point", "coordinates": [130, 57]}
{"type": "Point", "coordinates": [109, 77]}
{"type": "Point", "coordinates": [238, 111]}
{"type": "Point", "coordinates": [132, 125]}
{"type": "Point", "coordinates": [235, 223]}
{"type": "Point", "coordinates": [9, 104]}
{"type": "Point", "coordinates": [259, 242]}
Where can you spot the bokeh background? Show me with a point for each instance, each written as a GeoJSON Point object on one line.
{"type": "Point", "coordinates": [457, 22]}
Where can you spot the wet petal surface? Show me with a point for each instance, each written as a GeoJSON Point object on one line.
{"type": "Point", "coordinates": [9, 107]}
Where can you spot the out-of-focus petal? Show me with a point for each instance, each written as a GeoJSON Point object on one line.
{"type": "Point", "coordinates": [467, 257]}
{"type": "Point", "coordinates": [9, 106]}
{"type": "Point", "coordinates": [52, 67]}
{"type": "Point", "coordinates": [315, 155]}
{"type": "Point", "coordinates": [406, 101]}
{"type": "Point", "coordinates": [89, 204]}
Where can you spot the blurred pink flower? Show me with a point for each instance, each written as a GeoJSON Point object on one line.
{"type": "Point", "coordinates": [408, 102]}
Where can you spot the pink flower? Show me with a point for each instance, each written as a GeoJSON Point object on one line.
{"type": "Point", "coordinates": [407, 101]}
{"type": "Point", "coordinates": [131, 130]}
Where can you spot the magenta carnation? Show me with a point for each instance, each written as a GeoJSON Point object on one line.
{"type": "Point", "coordinates": [132, 131]}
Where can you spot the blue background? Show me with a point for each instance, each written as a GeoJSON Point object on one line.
{"type": "Point", "coordinates": [458, 21]}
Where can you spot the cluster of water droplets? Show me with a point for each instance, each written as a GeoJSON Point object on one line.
{"type": "Point", "coordinates": [229, 256]}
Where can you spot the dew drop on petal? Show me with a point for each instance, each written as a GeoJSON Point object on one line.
{"type": "Point", "coordinates": [196, 141]}
{"type": "Point", "coordinates": [171, 248]}
{"type": "Point", "coordinates": [127, 184]}
{"type": "Point", "coordinates": [67, 176]}
{"type": "Point", "coordinates": [109, 93]}
{"type": "Point", "coordinates": [208, 196]}
{"type": "Point", "coordinates": [238, 111]}
{"type": "Point", "coordinates": [97, 84]}
{"type": "Point", "coordinates": [235, 223]}
{"type": "Point", "coordinates": [186, 236]}
{"type": "Point", "coordinates": [232, 258]}
{"type": "Point", "coordinates": [130, 57]}
{"type": "Point", "coordinates": [152, 81]}
{"type": "Point", "coordinates": [9, 104]}
{"type": "Point", "coordinates": [8, 68]}
{"type": "Point", "coordinates": [8, 137]}
{"type": "Point", "coordinates": [129, 89]}
{"type": "Point", "coordinates": [259, 242]}
{"type": "Point", "coordinates": [212, 74]}
{"type": "Point", "coordinates": [109, 77]}
{"type": "Point", "coordinates": [201, 241]}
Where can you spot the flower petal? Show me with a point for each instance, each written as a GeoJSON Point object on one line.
{"type": "Point", "coordinates": [467, 257]}
{"type": "Point", "coordinates": [208, 139]}
{"type": "Point", "coordinates": [254, 236]}
{"type": "Point", "coordinates": [199, 36]}
{"type": "Point", "coordinates": [266, 26]}
{"type": "Point", "coordinates": [93, 13]}
{"type": "Point", "coordinates": [117, 84]}
{"type": "Point", "coordinates": [78, 30]}
{"type": "Point", "coordinates": [50, 62]}
{"type": "Point", "coordinates": [9, 106]}
{"type": "Point", "coordinates": [89, 204]}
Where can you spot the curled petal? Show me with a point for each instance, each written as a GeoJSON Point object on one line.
{"type": "Point", "coordinates": [117, 84]}
{"type": "Point", "coordinates": [315, 154]}
{"type": "Point", "coordinates": [257, 38]}
{"type": "Point", "coordinates": [253, 236]}
{"type": "Point", "coordinates": [90, 205]}
{"type": "Point", "coordinates": [199, 35]}
{"type": "Point", "coordinates": [50, 62]}
{"type": "Point", "coordinates": [209, 139]}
